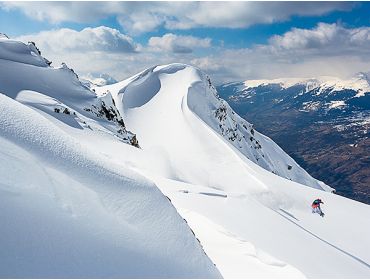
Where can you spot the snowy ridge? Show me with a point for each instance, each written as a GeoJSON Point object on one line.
{"type": "Point", "coordinates": [19, 52]}
{"type": "Point", "coordinates": [202, 99]}
{"type": "Point", "coordinates": [61, 89]}
{"type": "Point", "coordinates": [241, 134]}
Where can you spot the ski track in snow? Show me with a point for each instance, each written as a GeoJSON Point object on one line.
{"type": "Point", "coordinates": [339, 249]}
{"type": "Point", "coordinates": [237, 252]}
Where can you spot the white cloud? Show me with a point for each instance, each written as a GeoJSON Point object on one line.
{"type": "Point", "coordinates": [236, 14]}
{"type": "Point", "coordinates": [137, 17]}
{"type": "Point", "coordinates": [106, 50]}
{"type": "Point", "coordinates": [327, 49]}
{"type": "Point", "coordinates": [324, 38]}
{"type": "Point", "coordinates": [99, 39]}
{"type": "Point", "coordinates": [178, 44]}
{"type": "Point", "coordinates": [64, 11]}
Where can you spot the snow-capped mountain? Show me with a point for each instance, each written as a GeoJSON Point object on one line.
{"type": "Point", "coordinates": [322, 122]}
{"type": "Point", "coordinates": [81, 201]}
{"type": "Point", "coordinates": [203, 100]}
{"type": "Point", "coordinates": [313, 94]}
{"type": "Point", "coordinates": [94, 79]}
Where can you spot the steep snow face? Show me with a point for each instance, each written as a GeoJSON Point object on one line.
{"type": "Point", "coordinates": [205, 102]}
{"type": "Point", "coordinates": [67, 210]}
{"type": "Point", "coordinates": [141, 98]}
{"type": "Point", "coordinates": [262, 219]}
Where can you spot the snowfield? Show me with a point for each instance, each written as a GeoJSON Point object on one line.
{"type": "Point", "coordinates": [85, 175]}
{"type": "Point", "coordinates": [66, 209]}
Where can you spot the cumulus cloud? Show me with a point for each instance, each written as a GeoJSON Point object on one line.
{"type": "Point", "coordinates": [105, 50]}
{"type": "Point", "coordinates": [138, 17]}
{"type": "Point", "coordinates": [328, 37]}
{"type": "Point", "coordinates": [101, 49]}
{"type": "Point", "coordinates": [178, 44]}
{"type": "Point", "coordinates": [327, 49]}
{"type": "Point", "coordinates": [102, 38]}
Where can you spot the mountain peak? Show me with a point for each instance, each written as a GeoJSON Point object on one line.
{"type": "Point", "coordinates": [170, 96]}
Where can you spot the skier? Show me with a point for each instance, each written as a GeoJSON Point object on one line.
{"type": "Point", "coordinates": [316, 207]}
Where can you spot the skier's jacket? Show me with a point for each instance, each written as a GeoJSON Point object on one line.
{"type": "Point", "coordinates": [316, 203]}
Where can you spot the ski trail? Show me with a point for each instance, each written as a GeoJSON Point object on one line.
{"type": "Point", "coordinates": [335, 247]}
{"type": "Point", "coordinates": [213, 194]}
{"type": "Point", "coordinates": [286, 212]}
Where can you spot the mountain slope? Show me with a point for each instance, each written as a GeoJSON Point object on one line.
{"type": "Point", "coordinates": [67, 210]}
{"type": "Point", "coordinates": [224, 195]}
{"type": "Point", "coordinates": [201, 99]}
{"type": "Point", "coordinates": [80, 199]}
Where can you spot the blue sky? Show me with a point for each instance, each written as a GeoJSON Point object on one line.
{"type": "Point", "coordinates": [213, 36]}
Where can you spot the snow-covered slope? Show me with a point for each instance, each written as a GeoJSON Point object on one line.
{"type": "Point", "coordinates": [77, 200]}
{"type": "Point", "coordinates": [262, 220]}
{"type": "Point", "coordinates": [200, 100]}
{"type": "Point", "coordinates": [57, 91]}
{"type": "Point", "coordinates": [66, 209]}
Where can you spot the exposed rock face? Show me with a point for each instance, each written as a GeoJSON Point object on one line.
{"type": "Point", "coordinates": [106, 108]}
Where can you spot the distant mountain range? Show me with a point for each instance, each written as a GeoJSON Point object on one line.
{"type": "Point", "coordinates": [323, 123]}
{"type": "Point", "coordinates": [96, 79]}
